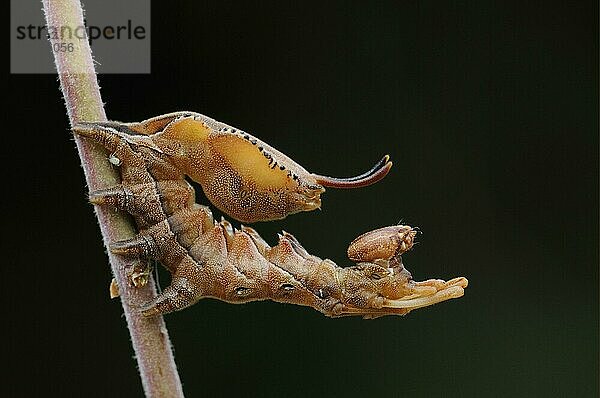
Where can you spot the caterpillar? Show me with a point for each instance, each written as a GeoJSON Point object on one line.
{"type": "Point", "coordinates": [250, 181]}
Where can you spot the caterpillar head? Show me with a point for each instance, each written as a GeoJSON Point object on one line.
{"type": "Point", "coordinates": [379, 284]}
{"type": "Point", "coordinates": [383, 243]}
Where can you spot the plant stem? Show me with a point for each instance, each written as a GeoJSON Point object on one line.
{"type": "Point", "coordinates": [80, 89]}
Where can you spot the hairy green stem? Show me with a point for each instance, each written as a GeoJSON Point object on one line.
{"type": "Point", "coordinates": [81, 93]}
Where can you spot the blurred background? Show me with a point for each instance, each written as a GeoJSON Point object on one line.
{"type": "Point", "coordinates": [489, 111]}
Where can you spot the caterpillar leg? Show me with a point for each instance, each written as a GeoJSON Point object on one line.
{"type": "Point", "coordinates": [152, 202]}
{"type": "Point", "coordinates": [139, 200]}
{"type": "Point", "coordinates": [158, 242]}
{"type": "Point", "coordinates": [183, 291]}
{"type": "Point", "coordinates": [142, 245]}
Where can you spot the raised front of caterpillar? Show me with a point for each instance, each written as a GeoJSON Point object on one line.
{"type": "Point", "coordinates": [250, 181]}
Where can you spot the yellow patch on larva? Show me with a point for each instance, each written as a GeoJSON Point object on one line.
{"type": "Point", "coordinates": [249, 162]}
{"type": "Point", "coordinates": [188, 130]}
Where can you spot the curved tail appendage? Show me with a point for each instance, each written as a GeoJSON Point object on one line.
{"type": "Point", "coordinates": [377, 172]}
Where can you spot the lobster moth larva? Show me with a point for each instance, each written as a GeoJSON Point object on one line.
{"type": "Point", "coordinates": [251, 181]}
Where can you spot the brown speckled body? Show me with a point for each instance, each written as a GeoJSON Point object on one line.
{"type": "Point", "coordinates": [213, 259]}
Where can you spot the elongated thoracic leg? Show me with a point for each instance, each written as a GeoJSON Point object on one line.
{"type": "Point", "coordinates": [139, 200]}
{"type": "Point", "coordinates": [151, 201]}
{"type": "Point", "coordinates": [185, 289]}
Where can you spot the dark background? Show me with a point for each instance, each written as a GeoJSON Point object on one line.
{"type": "Point", "coordinates": [490, 113]}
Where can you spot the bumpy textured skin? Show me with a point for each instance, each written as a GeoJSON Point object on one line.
{"type": "Point", "coordinates": [250, 181]}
